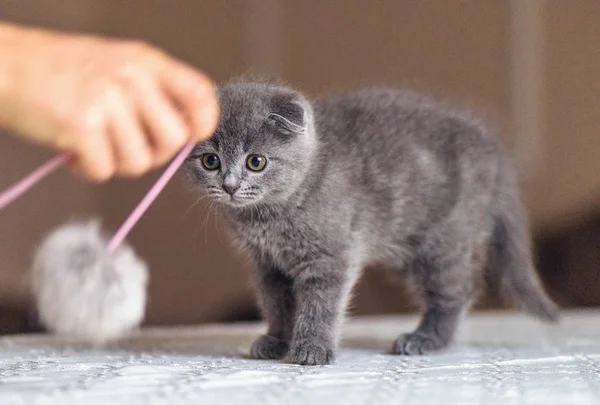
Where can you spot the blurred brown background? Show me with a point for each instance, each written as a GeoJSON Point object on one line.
{"type": "Point", "coordinates": [531, 66]}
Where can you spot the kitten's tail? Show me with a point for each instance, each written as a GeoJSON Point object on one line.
{"type": "Point", "coordinates": [510, 259]}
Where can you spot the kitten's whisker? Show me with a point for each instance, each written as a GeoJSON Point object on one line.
{"type": "Point", "coordinates": [217, 211]}
{"type": "Point", "coordinates": [195, 240]}
{"type": "Point", "coordinates": [255, 209]}
{"type": "Point", "coordinates": [201, 198]}
{"type": "Point", "coordinates": [206, 222]}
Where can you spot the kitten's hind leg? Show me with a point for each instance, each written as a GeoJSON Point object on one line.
{"type": "Point", "coordinates": [277, 302]}
{"type": "Point", "coordinates": [444, 276]}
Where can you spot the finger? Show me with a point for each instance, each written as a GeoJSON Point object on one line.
{"type": "Point", "coordinates": [94, 157]}
{"type": "Point", "coordinates": [167, 128]}
{"type": "Point", "coordinates": [195, 95]}
{"type": "Point", "coordinates": [131, 148]}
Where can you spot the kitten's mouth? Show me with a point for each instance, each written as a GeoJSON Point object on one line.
{"type": "Point", "coordinates": [237, 201]}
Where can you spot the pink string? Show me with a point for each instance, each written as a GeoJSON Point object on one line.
{"type": "Point", "coordinates": [149, 198]}
{"type": "Point", "coordinates": [18, 189]}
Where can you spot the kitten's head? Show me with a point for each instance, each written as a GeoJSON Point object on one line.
{"type": "Point", "coordinates": [261, 149]}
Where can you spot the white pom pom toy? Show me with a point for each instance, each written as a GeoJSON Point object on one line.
{"type": "Point", "coordinates": [85, 285]}
{"type": "Point", "coordinates": [83, 291]}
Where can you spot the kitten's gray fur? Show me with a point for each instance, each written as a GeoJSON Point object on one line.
{"type": "Point", "coordinates": [379, 175]}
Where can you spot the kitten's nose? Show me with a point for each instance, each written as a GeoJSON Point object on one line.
{"type": "Point", "coordinates": [230, 188]}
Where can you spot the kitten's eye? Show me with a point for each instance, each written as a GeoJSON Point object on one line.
{"type": "Point", "coordinates": [256, 162]}
{"type": "Point", "coordinates": [211, 161]}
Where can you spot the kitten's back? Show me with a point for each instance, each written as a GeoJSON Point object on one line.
{"type": "Point", "coordinates": [381, 121]}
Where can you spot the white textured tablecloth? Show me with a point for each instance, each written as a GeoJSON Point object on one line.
{"type": "Point", "coordinates": [499, 359]}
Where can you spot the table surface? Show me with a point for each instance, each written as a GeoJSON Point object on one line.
{"type": "Point", "coordinates": [498, 359]}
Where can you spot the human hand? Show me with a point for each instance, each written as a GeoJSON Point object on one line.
{"type": "Point", "coordinates": [120, 107]}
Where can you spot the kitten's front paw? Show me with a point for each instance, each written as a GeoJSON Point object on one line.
{"type": "Point", "coordinates": [268, 348]}
{"type": "Point", "coordinates": [310, 354]}
{"type": "Point", "coordinates": [416, 343]}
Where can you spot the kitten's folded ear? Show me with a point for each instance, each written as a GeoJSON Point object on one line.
{"type": "Point", "coordinates": [290, 113]}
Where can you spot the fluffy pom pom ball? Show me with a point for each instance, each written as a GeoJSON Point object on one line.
{"type": "Point", "coordinates": [81, 290]}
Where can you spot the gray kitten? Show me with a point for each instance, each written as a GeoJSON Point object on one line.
{"type": "Point", "coordinates": [316, 191]}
